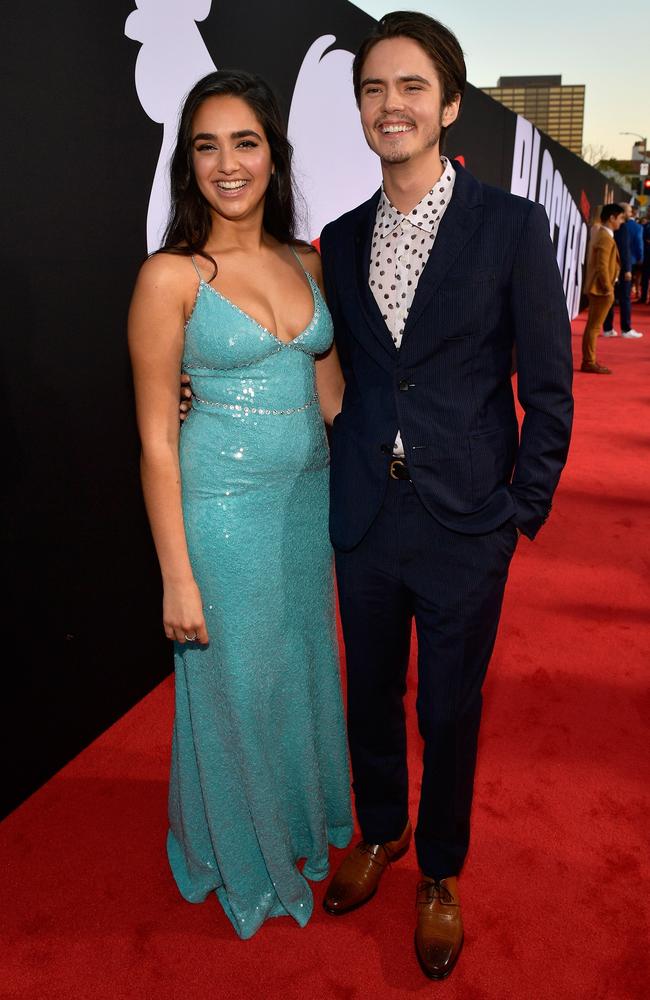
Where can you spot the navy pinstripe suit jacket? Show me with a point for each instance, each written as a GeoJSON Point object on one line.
{"type": "Point", "coordinates": [490, 285]}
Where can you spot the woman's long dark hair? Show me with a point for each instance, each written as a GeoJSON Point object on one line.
{"type": "Point", "coordinates": [190, 220]}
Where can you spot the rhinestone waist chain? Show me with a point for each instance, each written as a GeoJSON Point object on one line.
{"type": "Point", "coordinates": [263, 411]}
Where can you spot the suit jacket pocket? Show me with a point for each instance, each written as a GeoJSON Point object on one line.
{"type": "Point", "coordinates": [444, 471]}
{"type": "Point", "coordinates": [492, 455]}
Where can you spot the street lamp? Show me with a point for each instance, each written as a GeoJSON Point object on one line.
{"type": "Point", "coordinates": [642, 138]}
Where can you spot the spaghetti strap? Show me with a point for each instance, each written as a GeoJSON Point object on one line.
{"type": "Point", "coordinates": [198, 273]}
{"type": "Point", "coordinates": [297, 256]}
{"type": "Point", "coordinates": [309, 276]}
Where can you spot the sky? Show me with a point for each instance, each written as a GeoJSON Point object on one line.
{"type": "Point", "coordinates": [573, 38]}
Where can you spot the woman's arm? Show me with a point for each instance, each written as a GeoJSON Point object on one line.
{"type": "Point", "coordinates": [330, 384]}
{"type": "Point", "coordinates": [329, 377]}
{"type": "Point", "coordinates": [156, 339]}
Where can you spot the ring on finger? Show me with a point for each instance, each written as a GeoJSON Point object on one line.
{"type": "Point", "coordinates": [192, 637]}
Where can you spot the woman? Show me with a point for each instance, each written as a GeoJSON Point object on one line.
{"type": "Point", "coordinates": [238, 511]}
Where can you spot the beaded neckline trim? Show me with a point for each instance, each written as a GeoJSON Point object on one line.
{"type": "Point", "coordinates": [260, 326]}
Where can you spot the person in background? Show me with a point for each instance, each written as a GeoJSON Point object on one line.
{"type": "Point", "coordinates": [602, 272]}
{"type": "Point", "coordinates": [624, 285]}
{"type": "Point", "coordinates": [636, 253]}
{"type": "Point", "coordinates": [645, 267]}
{"type": "Point", "coordinates": [594, 226]}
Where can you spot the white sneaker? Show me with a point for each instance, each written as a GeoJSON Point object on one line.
{"type": "Point", "coordinates": [631, 334]}
{"type": "Point", "coordinates": [610, 333]}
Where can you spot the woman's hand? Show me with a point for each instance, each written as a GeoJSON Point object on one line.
{"type": "Point", "coordinates": [186, 396]}
{"type": "Point", "coordinates": [183, 617]}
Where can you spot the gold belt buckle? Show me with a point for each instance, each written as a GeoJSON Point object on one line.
{"type": "Point", "coordinates": [396, 461]}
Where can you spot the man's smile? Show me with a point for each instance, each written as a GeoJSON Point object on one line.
{"type": "Point", "coordinates": [395, 128]}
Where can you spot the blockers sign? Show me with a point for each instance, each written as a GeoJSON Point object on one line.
{"type": "Point", "coordinates": [536, 176]}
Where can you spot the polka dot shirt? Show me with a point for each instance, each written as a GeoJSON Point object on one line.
{"type": "Point", "coordinates": [400, 248]}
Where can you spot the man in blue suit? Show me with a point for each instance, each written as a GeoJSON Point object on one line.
{"type": "Point", "coordinates": [645, 270]}
{"type": "Point", "coordinates": [624, 285]}
{"type": "Point", "coordinates": [432, 283]}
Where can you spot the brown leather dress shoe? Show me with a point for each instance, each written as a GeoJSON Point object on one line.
{"type": "Point", "coordinates": [594, 368]}
{"type": "Point", "coordinates": [439, 931]}
{"type": "Point", "coordinates": [357, 879]}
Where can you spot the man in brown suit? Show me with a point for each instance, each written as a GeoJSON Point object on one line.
{"type": "Point", "coordinates": [603, 268]}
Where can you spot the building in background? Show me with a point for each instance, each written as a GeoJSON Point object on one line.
{"type": "Point", "coordinates": [556, 108]}
{"type": "Point", "coordinates": [632, 175]}
{"type": "Point", "coordinates": [621, 172]}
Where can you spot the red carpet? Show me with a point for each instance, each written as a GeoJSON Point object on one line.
{"type": "Point", "coordinates": [555, 890]}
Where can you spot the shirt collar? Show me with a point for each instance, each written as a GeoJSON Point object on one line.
{"type": "Point", "coordinates": [427, 212]}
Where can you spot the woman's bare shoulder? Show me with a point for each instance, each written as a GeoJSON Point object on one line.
{"type": "Point", "coordinates": [174, 271]}
{"type": "Point", "coordinates": [166, 286]}
{"type": "Point", "coordinates": [167, 267]}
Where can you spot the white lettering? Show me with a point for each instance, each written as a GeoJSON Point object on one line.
{"type": "Point", "coordinates": [563, 226]}
{"type": "Point", "coordinates": [558, 201]}
{"type": "Point", "coordinates": [567, 231]}
{"type": "Point", "coordinates": [534, 167]}
{"type": "Point", "coordinates": [522, 157]}
{"type": "Point", "coordinates": [574, 304]}
{"type": "Point", "coordinates": [571, 255]}
{"type": "Point", "coordinates": [546, 186]}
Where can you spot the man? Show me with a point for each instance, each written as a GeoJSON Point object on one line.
{"type": "Point", "coordinates": [624, 286]}
{"type": "Point", "coordinates": [645, 268]}
{"type": "Point", "coordinates": [431, 283]}
{"type": "Point", "coordinates": [636, 253]}
{"type": "Point", "coordinates": [603, 268]}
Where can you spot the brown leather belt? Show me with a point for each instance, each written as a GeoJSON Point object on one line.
{"type": "Point", "coordinates": [398, 469]}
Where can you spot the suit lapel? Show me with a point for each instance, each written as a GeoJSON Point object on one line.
{"type": "Point", "coordinates": [461, 220]}
{"type": "Point", "coordinates": [369, 308]}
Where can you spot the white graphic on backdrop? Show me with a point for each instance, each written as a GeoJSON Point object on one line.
{"type": "Point", "coordinates": [334, 168]}
{"type": "Point", "coordinates": [172, 58]}
{"type": "Point", "coordinates": [544, 183]}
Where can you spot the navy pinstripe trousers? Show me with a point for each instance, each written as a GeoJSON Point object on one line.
{"type": "Point", "coordinates": [409, 567]}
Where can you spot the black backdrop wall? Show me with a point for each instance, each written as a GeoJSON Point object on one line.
{"type": "Point", "coordinates": [83, 639]}
{"type": "Point", "coordinates": [82, 612]}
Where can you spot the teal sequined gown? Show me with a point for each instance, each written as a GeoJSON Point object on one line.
{"type": "Point", "coordinates": [259, 775]}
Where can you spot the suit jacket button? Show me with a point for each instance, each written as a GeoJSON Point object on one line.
{"type": "Point", "coordinates": [403, 385]}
